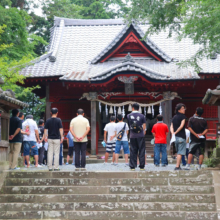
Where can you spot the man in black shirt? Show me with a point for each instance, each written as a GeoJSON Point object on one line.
{"type": "Point", "coordinates": [178, 129]}
{"type": "Point", "coordinates": [198, 129]}
{"type": "Point", "coordinates": [54, 131]}
{"type": "Point", "coordinates": [15, 139]}
{"type": "Point", "coordinates": [137, 126]}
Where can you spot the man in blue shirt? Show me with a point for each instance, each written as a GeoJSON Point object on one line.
{"type": "Point", "coordinates": [137, 126]}
{"type": "Point", "coordinates": [71, 150]}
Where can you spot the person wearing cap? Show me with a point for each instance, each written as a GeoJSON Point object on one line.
{"type": "Point", "coordinates": [29, 125]}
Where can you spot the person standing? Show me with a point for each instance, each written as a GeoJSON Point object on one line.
{"type": "Point", "coordinates": [124, 140]}
{"type": "Point", "coordinates": [198, 129]}
{"type": "Point", "coordinates": [79, 128]}
{"type": "Point", "coordinates": [21, 116]}
{"type": "Point", "coordinates": [41, 150]}
{"type": "Point", "coordinates": [29, 125]}
{"type": "Point", "coordinates": [71, 149]}
{"type": "Point", "coordinates": [15, 139]}
{"type": "Point", "coordinates": [160, 132]}
{"type": "Point", "coordinates": [53, 132]}
{"type": "Point", "coordinates": [137, 126]}
{"type": "Point", "coordinates": [110, 142]}
{"type": "Point", "coordinates": [187, 147]}
{"type": "Point", "coordinates": [178, 129]}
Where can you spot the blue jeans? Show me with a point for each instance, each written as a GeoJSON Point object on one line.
{"type": "Point", "coordinates": [160, 148]}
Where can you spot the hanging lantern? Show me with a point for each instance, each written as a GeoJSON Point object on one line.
{"type": "Point", "coordinates": [123, 112]}
{"type": "Point", "coordinates": [160, 109]}
{"type": "Point", "coordinates": [140, 110]}
{"type": "Point", "coordinates": [152, 110]}
{"type": "Point", "coordinates": [115, 111]}
{"type": "Point", "coordinates": [145, 111]}
{"type": "Point", "coordinates": [111, 110]}
{"type": "Point", "coordinates": [100, 107]}
{"type": "Point", "coordinates": [149, 110]}
{"type": "Point", "coordinates": [119, 110]}
{"type": "Point", "coordinates": [130, 108]}
{"type": "Point", "coordinates": [106, 110]}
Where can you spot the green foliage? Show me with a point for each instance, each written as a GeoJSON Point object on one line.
{"type": "Point", "coordinates": [196, 19]}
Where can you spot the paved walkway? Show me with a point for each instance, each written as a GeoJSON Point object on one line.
{"type": "Point", "coordinates": [107, 167]}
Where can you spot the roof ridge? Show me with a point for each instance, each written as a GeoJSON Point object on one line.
{"type": "Point", "coordinates": [72, 21]}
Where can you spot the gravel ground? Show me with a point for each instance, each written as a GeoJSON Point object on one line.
{"type": "Point", "coordinates": [121, 167]}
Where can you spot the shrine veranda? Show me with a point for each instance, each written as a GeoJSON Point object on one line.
{"type": "Point", "coordinates": [98, 65]}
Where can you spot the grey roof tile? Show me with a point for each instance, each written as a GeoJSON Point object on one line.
{"type": "Point", "coordinates": [76, 43]}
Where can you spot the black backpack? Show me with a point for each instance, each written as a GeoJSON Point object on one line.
{"type": "Point", "coordinates": [121, 133]}
{"type": "Point", "coordinates": [134, 127]}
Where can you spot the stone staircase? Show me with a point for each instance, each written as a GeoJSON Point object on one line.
{"type": "Point", "coordinates": [167, 195]}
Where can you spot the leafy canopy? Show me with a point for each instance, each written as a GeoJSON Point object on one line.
{"type": "Point", "coordinates": [196, 19]}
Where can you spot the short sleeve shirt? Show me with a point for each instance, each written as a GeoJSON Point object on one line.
{"type": "Point", "coordinates": [29, 125]}
{"type": "Point", "coordinates": [140, 119]}
{"type": "Point", "coordinates": [199, 125]}
{"type": "Point", "coordinates": [177, 119]}
{"type": "Point", "coordinates": [119, 127]}
{"type": "Point", "coordinates": [160, 129]}
{"type": "Point", "coordinates": [70, 138]}
{"type": "Point", "coordinates": [53, 126]}
{"type": "Point", "coordinates": [15, 123]}
{"type": "Point", "coordinates": [110, 128]}
{"type": "Point", "coordinates": [79, 125]}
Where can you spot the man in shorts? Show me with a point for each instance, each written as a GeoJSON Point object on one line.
{"type": "Point", "coordinates": [71, 149]}
{"type": "Point", "coordinates": [177, 128]}
{"type": "Point", "coordinates": [29, 125]}
{"type": "Point", "coordinates": [198, 129]}
{"type": "Point", "coordinates": [110, 142]}
{"type": "Point", "coordinates": [123, 142]}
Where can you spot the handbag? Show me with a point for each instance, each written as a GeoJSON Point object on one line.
{"type": "Point", "coordinates": [121, 133]}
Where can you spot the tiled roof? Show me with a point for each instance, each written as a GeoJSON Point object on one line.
{"type": "Point", "coordinates": [77, 44]}
{"type": "Point", "coordinates": [13, 100]}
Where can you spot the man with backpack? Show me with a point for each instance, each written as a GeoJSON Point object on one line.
{"type": "Point", "coordinates": [121, 129]}
{"type": "Point", "coordinates": [137, 126]}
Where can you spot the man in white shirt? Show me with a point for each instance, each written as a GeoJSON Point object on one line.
{"type": "Point", "coordinates": [29, 141]}
{"type": "Point", "coordinates": [123, 142]}
{"type": "Point", "coordinates": [79, 128]}
{"type": "Point", "coordinates": [110, 143]}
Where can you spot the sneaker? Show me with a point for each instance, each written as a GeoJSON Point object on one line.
{"type": "Point", "coordinates": [56, 169]}
{"type": "Point", "coordinates": [157, 165]}
{"type": "Point", "coordinates": [104, 163]}
{"type": "Point", "coordinates": [16, 168]}
{"type": "Point", "coordinates": [38, 165]}
{"type": "Point", "coordinates": [177, 168]}
{"type": "Point", "coordinates": [50, 169]}
{"type": "Point", "coordinates": [132, 169]}
{"type": "Point", "coordinates": [112, 163]}
{"type": "Point", "coordinates": [164, 165]}
{"type": "Point", "coordinates": [186, 167]}
{"type": "Point", "coordinates": [83, 169]}
{"type": "Point", "coordinates": [127, 164]}
{"type": "Point", "coordinates": [116, 164]}
{"type": "Point", "coordinates": [67, 163]}
{"type": "Point", "coordinates": [142, 169]}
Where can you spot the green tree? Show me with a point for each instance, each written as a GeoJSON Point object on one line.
{"type": "Point", "coordinates": [196, 19]}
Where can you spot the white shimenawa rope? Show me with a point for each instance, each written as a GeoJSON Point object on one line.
{"type": "Point", "coordinates": [130, 102]}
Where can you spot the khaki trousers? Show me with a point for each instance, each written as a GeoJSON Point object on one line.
{"type": "Point", "coordinates": [15, 149]}
{"type": "Point", "coordinates": [53, 152]}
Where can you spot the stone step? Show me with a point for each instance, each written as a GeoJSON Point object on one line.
{"type": "Point", "coordinates": [108, 206]}
{"type": "Point", "coordinates": [62, 198]}
{"type": "Point", "coordinates": [106, 182]}
{"type": "Point", "coordinates": [107, 175]}
{"type": "Point", "coordinates": [106, 189]}
{"type": "Point", "coordinates": [175, 215]}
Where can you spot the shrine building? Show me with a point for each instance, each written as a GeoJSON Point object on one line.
{"type": "Point", "coordinates": [104, 65]}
